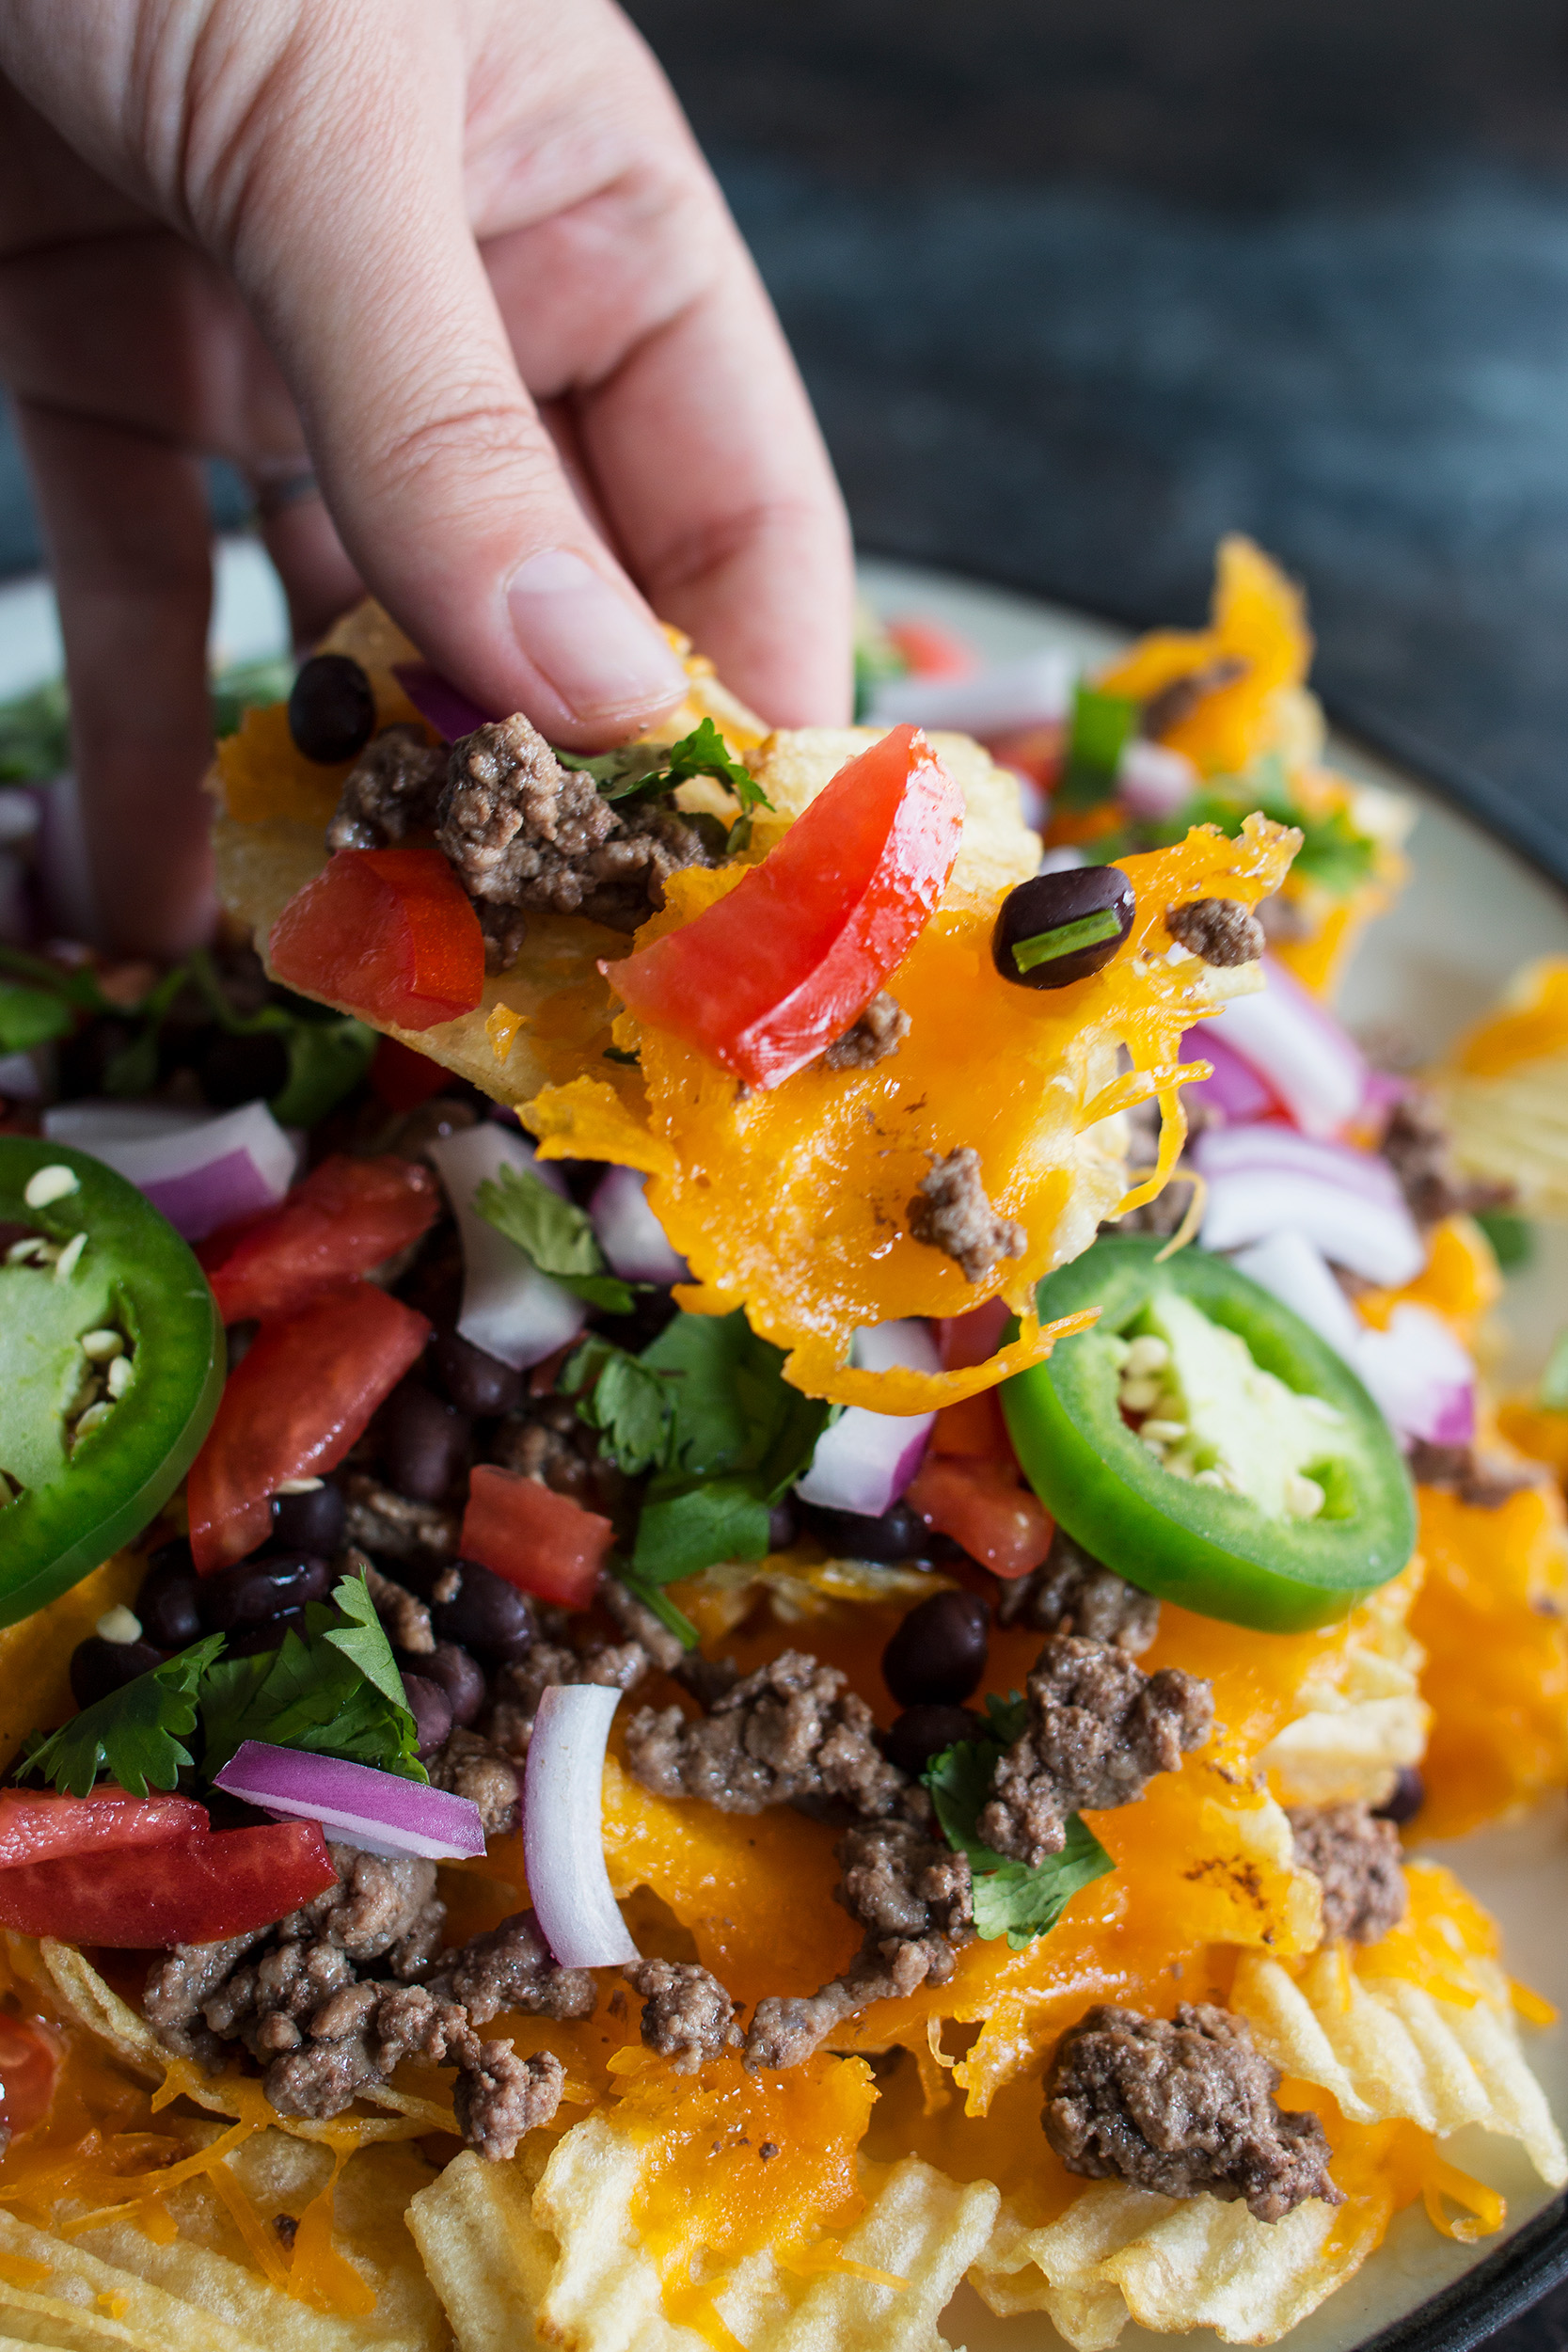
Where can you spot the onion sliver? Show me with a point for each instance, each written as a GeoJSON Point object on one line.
{"type": "Point", "coordinates": [1034, 690]}
{"type": "Point", "coordinates": [355, 1804]}
{"type": "Point", "coordinates": [630, 1235]}
{"type": "Point", "coordinates": [449, 711]}
{"type": "Point", "coordinates": [1422, 1380]}
{"type": "Point", "coordinates": [864, 1460]}
{"type": "Point", "coordinates": [1265, 1180]}
{"type": "Point", "coordinates": [200, 1172]}
{"type": "Point", "coordinates": [510, 1308]}
{"type": "Point", "coordinates": [563, 1831]}
{"type": "Point", "coordinates": [1298, 1275]}
{"type": "Point", "coordinates": [1235, 1090]}
{"type": "Point", "coordinates": [1299, 1050]}
{"type": "Point", "coordinates": [1274, 1149]}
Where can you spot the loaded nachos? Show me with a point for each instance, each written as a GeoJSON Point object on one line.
{"type": "Point", "coordinates": [748, 1525]}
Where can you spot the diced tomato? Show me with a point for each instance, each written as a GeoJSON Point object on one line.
{"type": "Point", "coordinates": [293, 1406]}
{"type": "Point", "coordinates": [537, 1539]}
{"type": "Point", "coordinates": [391, 933]}
{"type": "Point", "coordinates": [930, 650]}
{"type": "Point", "coordinates": [190, 1891]}
{"type": "Point", "coordinates": [974, 1426]}
{"type": "Point", "coordinates": [768, 975]}
{"type": "Point", "coordinates": [29, 2060]}
{"type": "Point", "coordinates": [35, 1825]}
{"type": "Point", "coordinates": [346, 1217]}
{"type": "Point", "coordinates": [973, 1338]}
{"type": "Point", "coordinates": [403, 1079]}
{"type": "Point", "coordinates": [983, 1508]}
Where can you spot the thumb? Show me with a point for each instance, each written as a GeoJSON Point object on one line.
{"type": "Point", "coordinates": [353, 250]}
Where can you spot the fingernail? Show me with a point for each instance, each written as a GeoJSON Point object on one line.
{"type": "Point", "coordinates": [595, 650]}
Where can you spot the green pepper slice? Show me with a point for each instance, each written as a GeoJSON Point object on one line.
{"type": "Point", "coordinates": [96, 1262]}
{"type": "Point", "coordinates": [1190, 1538]}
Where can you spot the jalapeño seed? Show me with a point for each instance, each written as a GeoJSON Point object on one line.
{"type": "Point", "coordinates": [1056, 929]}
{"type": "Point", "coordinates": [331, 708]}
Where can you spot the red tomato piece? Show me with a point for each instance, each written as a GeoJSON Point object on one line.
{"type": "Point", "coordinates": [931, 650]}
{"type": "Point", "coordinates": [537, 1539]}
{"type": "Point", "coordinates": [974, 1426]}
{"type": "Point", "coordinates": [35, 1826]}
{"type": "Point", "coordinates": [391, 933]}
{"type": "Point", "coordinates": [346, 1217]}
{"type": "Point", "coordinates": [292, 1408]}
{"type": "Point", "coordinates": [768, 975]}
{"type": "Point", "coordinates": [190, 1891]}
{"type": "Point", "coordinates": [982, 1506]}
{"type": "Point", "coordinates": [403, 1079]}
{"type": "Point", "coordinates": [30, 2061]}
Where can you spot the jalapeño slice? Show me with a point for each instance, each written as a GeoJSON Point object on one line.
{"type": "Point", "coordinates": [1287, 1499]}
{"type": "Point", "coordinates": [89, 1454]}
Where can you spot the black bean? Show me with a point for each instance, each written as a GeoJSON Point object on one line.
{"type": "Point", "coordinates": [461, 1677]}
{"type": "Point", "coordinates": [1405, 1800]}
{"type": "Point", "coordinates": [168, 1600]}
{"type": "Point", "coordinates": [431, 1711]}
{"type": "Point", "coordinates": [234, 1069]}
{"type": "Point", "coordinates": [487, 1614]}
{"type": "Point", "coordinates": [476, 1383]}
{"type": "Point", "coordinates": [420, 1443]}
{"type": "Point", "coordinates": [1047, 904]}
{"type": "Point", "coordinates": [896, 1535]}
{"type": "Point", "coordinates": [269, 1634]}
{"type": "Point", "coordinates": [233, 1599]}
{"type": "Point", "coordinates": [922, 1732]}
{"type": "Point", "coordinates": [313, 1521]}
{"type": "Point", "coordinates": [331, 708]}
{"type": "Point", "coordinates": [783, 1526]}
{"type": "Point", "coordinates": [98, 1668]}
{"type": "Point", "coordinates": [938, 1654]}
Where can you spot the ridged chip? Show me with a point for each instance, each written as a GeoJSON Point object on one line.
{"type": "Point", "coordinates": [1362, 1717]}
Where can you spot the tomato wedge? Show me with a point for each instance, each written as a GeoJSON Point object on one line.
{"type": "Point", "coordinates": [346, 1217]}
{"type": "Point", "coordinates": [539, 1540]}
{"type": "Point", "coordinates": [389, 934]}
{"type": "Point", "coordinates": [39, 1827]}
{"type": "Point", "coordinates": [768, 975]}
{"type": "Point", "coordinates": [983, 1508]}
{"type": "Point", "coordinates": [191, 1890]}
{"type": "Point", "coordinates": [292, 1408]}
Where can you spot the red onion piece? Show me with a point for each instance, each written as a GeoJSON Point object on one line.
{"type": "Point", "coordinates": [1372, 1239]}
{"type": "Point", "coordinates": [509, 1309]}
{"type": "Point", "coordinates": [1031, 691]}
{"type": "Point", "coordinates": [1298, 1049]}
{"type": "Point", "coordinates": [864, 1461]}
{"type": "Point", "coordinates": [630, 1234]}
{"type": "Point", "coordinates": [1296, 1273]}
{"type": "Point", "coordinates": [1153, 780]}
{"type": "Point", "coordinates": [355, 1804]}
{"type": "Point", "coordinates": [449, 711]}
{"type": "Point", "coordinates": [562, 1833]}
{"type": "Point", "coordinates": [1274, 1149]}
{"type": "Point", "coordinates": [1235, 1091]}
{"type": "Point", "coordinates": [201, 1172]}
{"type": "Point", "coordinates": [1422, 1380]}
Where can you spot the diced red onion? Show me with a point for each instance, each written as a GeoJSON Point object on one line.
{"type": "Point", "coordinates": [1270, 1150]}
{"type": "Point", "coordinates": [509, 1309]}
{"type": "Point", "coordinates": [563, 1829]}
{"type": "Point", "coordinates": [1153, 780]}
{"type": "Point", "coordinates": [630, 1234]}
{"type": "Point", "coordinates": [1029, 692]}
{"type": "Point", "coordinates": [1422, 1380]}
{"type": "Point", "coordinates": [449, 711]}
{"type": "Point", "coordinates": [201, 1172]}
{"type": "Point", "coordinates": [1298, 1049]}
{"type": "Point", "coordinates": [355, 1804]}
{"type": "Point", "coordinates": [1378, 1241]}
{"type": "Point", "coordinates": [1289, 1266]}
{"type": "Point", "coordinates": [864, 1461]}
{"type": "Point", "coordinates": [1235, 1091]}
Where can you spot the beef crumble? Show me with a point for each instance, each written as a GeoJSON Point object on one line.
{"type": "Point", "coordinates": [545, 1666]}
{"type": "Point", "coordinates": [1485, 1484]}
{"type": "Point", "coordinates": [687, 2017]}
{"type": "Point", "coordinates": [391, 790]}
{"type": "Point", "coordinates": [950, 1213]}
{"type": "Point", "coordinates": [1180, 698]}
{"type": "Point", "coordinates": [552, 1443]}
{"type": "Point", "coordinates": [1220, 931]}
{"type": "Point", "coordinates": [1072, 1592]}
{"type": "Point", "coordinates": [512, 1967]}
{"type": "Point", "coordinates": [1099, 1729]}
{"type": "Point", "coordinates": [1355, 1859]}
{"type": "Point", "coordinates": [789, 1733]}
{"type": "Point", "coordinates": [1186, 2109]}
{"type": "Point", "coordinates": [1416, 1147]}
{"type": "Point", "coordinates": [477, 1768]}
{"type": "Point", "coordinates": [389, 1526]}
{"type": "Point", "coordinates": [405, 1617]}
{"type": "Point", "coordinates": [878, 1032]}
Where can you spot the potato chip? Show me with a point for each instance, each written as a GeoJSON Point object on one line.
{"type": "Point", "coordinates": [1361, 1712]}
{"type": "Point", "coordinates": [96, 2299]}
{"type": "Point", "coordinates": [1503, 1092]}
{"type": "Point", "coordinates": [486, 2257]}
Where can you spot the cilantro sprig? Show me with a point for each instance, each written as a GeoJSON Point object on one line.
{"type": "Point", "coordinates": [555, 1237]}
{"type": "Point", "coordinates": [629, 1402]}
{"type": "Point", "coordinates": [644, 772]}
{"type": "Point", "coordinates": [136, 1735]}
{"type": "Point", "coordinates": [1009, 1898]}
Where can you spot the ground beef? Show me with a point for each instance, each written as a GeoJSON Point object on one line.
{"type": "Point", "coordinates": [1220, 930]}
{"type": "Point", "coordinates": [1184, 2109]}
{"type": "Point", "coordinates": [391, 790]}
{"type": "Point", "coordinates": [666, 1650]}
{"type": "Point", "coordinates": [790, 1732]}
{"type": "Point", "coordinates": [477, 1768]}
{"type": "Point", "coordinates": [950, 1211]}
{"type": "Point", "coordinates": [1100, 1728]}
{"type": "Point", "coordinates": [1285, 921]}
{"type": "Point", "coordinates": [687, 2017]}
{"type": "Point", "coordinates": [1071, 1592]}
{"type": "Point", "coordinates": [512, 1968]}
{"type": "Point", "coordinates": [880, 1031]}
{"type": "Point", "coordinates": [523, 833]}
{"type": "Point", "coordinates": [1415, 1145]}
{"type": "Point", "coordinates": [519, 1687]}
{"type": "Point", "coordinates": [390, 1526]}
{"type": "Point", "coordinates": [406, 1620]}
{"type": "Point", "coordinates": [1485, 1486]}
{"type": "Point", "coordinates": [1355, 1859]}
{"type": "Point", "coordinates": [551, 1442]}
{"type": "Point", "coordinates": [1180, 698]}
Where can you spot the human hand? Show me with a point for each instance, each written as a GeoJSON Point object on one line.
{"type": "Point", "coordinates": [461, 259]}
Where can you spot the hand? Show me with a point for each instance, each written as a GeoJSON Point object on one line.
{"type": "Point", "coordinates": [461, 259]}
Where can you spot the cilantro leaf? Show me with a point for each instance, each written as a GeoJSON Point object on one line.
{"type": "Point", "coordinates": [622, 1397]}
{"type": "Point", "coordinates": [705, 752]}
{"type": "Point", "coordinates": [363, 1641]}
{"type": "Point", "coordinates": [337, 1692]}
{"type": "Point", "coordinates": [690, 1524]}
{"type": "Point", "coordinates": [553, 1234]}
{"type": "Point", "coordinates": [639, 772]}
{"type": "Point", "coordinates": [135, 1735]}
{"type": "Point", "coordinates": [1009, 1899]}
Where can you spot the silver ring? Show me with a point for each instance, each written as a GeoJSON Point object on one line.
{"type": "Point", "coordinates": [274, 497]}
